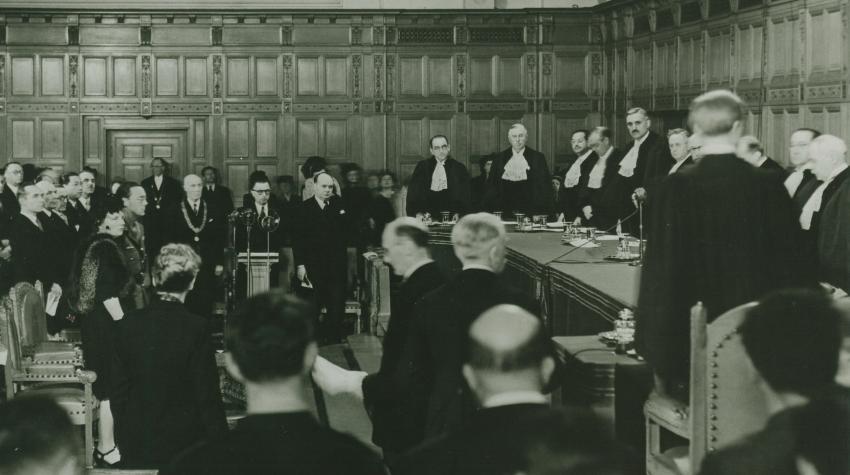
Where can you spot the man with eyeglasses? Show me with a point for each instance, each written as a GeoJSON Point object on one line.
{"type": "Point", "coordinates": [439, 183]}
{"type": "Point", "coordinates": [163, 193]}
{"type": "Point", "coordinates": [263, 204]}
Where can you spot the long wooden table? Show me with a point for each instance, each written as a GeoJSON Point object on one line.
{"type": "Point", "coordinates": [579, 291]}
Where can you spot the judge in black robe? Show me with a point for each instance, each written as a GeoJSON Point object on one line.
{"type": "Point", "coordinates": [421, 195]}
{"type": "Point", "coordinates": [513, 190]}
{"type": "Point", "coordinates": [723, 233]}
{"type": "Point", "coordinates": [831, 226]}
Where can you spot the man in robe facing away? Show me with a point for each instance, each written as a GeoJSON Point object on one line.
{"type": "Point", "coordinates": [722, 232]}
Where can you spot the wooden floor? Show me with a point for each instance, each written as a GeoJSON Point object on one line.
{"type": "Point", "coordinates": [343, 413]}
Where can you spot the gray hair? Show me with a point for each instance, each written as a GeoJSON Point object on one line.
{"type": "Point", "coordinates": [518, 126]}
{"type": "Point", "coordinates": [475, 234]}
{"type": "Point", "coordinates": [678, 131]}
{"type": "Point", "coordinates": [828, 146]}
{"type": "Point", "coordinates": [175, 267]}
{"type": "Point", "coordinates": [715, 112]}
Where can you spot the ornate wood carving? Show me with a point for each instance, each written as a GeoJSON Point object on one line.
{"type": "Point", "coordinates": [146, 75]}
{"type": "Point", "coordinates": [378, 35]}
{"type": "Point", "coordinates": [498, 35]}
{"type": "Point", "coordinates": [73, 67]}
{"type": "Point", "coordinates": [495, 106]}
{"type": "Point", "coordinates": [216, 35]}
{"type": "Point", "coordinates": [531, 73]}
{"type": "Point", "coordinates": [145, 35]}
{"type": "Point", "coordinates": [827, 92]}
{"type": "Point", "coordinates": [356, 35]}
{"type": "Point", "coordinates": [460, 61]}
{"type": "Point", "coordinates": [596, 64]}
{"type": "Point", "coordinates": [109, 108]}
{"type": "Point", "coordinates": [217, 75]}
{"type": "Point", "coordinates": [571, 105]}
{"type": "Point", "coordinates": [252, 107]}
{"type": "Point", "coordinates": [356, 63]}
{"type": "Point", "coordinates": [461, 35]}
{"type": "Point", "coordinates": [390, 74]}
{"type": "Point", "coordinates": [146, 108]}
{"type": "Point", "coordinates": [2, 75]}
{"type": "Point", "coordinates": [546, 71]}
{"type": "Point", "coordinates": [73, 35]}
{"type": "Point", "coordinates": [426, 107]}
{"type": "Point", "coordinates": [287, 75]}
{"type": "Point", "coordinates": [391, 36]}
{"type": "Point", "coordinates": [436, 35]}
{"type": "Point", "coordinates": [37, 107]}
{"type": "Point", "coordinates": [344, 107]}
{"type": "Point", "coordinates": [286, 35]}
{"type": "Point", "coordinates": [378, 61]}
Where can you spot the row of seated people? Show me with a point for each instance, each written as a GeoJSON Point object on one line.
{"type": "Point", "coordinates": [463, 398]}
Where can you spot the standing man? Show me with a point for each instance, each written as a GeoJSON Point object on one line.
{"type": "Point", "coordinates": [133, 242]}
{"type": "Point", "coordinates": [13, 176]}
{"type": "Point", "coordinates": [163, 194]}
{"type": "Point", "coordinates": [442, 318]}
{"type": "Point", "coordinates": [261, 206]}
{"type": "Point", "coordinates": [74, 210]}
{"type": "Point", "coordinates": [87, 203]}
{"type": "Point", "coordinates": [577, 175]}
{"type": "Point", "coordinates": [520, 181]}
{"type": "Point", "coordinates": [216, 194]}
{"type": "Point", "coordinates": [678, 141]}
{"type": "Point", "coordinates": [605, 198]}
{"type": "Point", "coordinates": [321, 256]}
{"type": "Point", "coordinates": [722, 234]}
{"type": "Point", "coordinates": [31, 260]}
{"type": "Point", "coordinates": [439, 183]}
{"type": "Point", "coordinates": [801, 183]}
{"type": "Point", "coordinates": [193, 221]}
{"type": "Point", "coordinates": [750, 150]}
{"type": "Point", "coordinates": [647, 158]}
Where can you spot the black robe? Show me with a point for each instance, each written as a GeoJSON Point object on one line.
{"type": "Point", "coordinates": [723, 233]}
{"type": "Point", "coordinates": [832, 237]}
{"type": "Point", "coordinates": [457, 198]}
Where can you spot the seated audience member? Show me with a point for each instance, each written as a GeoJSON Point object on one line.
{"type": "Point", "coordinates": [373, 182]}
{"type": "Point", "coordinates": [272, 349]}
{"type": "Point", "coordinates": [749, 149]}
{"type": "Point", "coordinates": [37, 438]}
{"type": "Point", "coordinates": [677, 139]}
{"type": "Point", "coordinates": [167, 368]}
{"type": "Point", "coordinates": [824, 217]}
{"type": "Point", "coordinates": [478, 184]}
{"type": "Point", "coordinates": [793, 338]}
{"type": "Point", "coordinates": [508, 360]}
{"type": "Point", "coordinates": [397, 425]}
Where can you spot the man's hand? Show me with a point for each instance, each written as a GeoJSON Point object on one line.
{"type": "Point", "coordinates": [301, 273]}
{"type": "Point", "coordinates": [6, 253]}
{"type": "Point", "coordinates": [588, 212]}
{"type": "Point", "coordinates": [334, 380]}
{"type": "Point", "coordinates": [219, 269]}
{"type": "Point", "coordinates": [56, 288]}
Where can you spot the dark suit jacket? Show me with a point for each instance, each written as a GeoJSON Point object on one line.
{"type": "Point", "coordinates": [266, 444]}
{"type": "Point", "coordinates": [538, 176]}
{"type": "Point", "coordinates": [688, 162]}
{"type": "Point", "coordinates": [573, 196]}
{"type": "Point", "coordinates": [437, 338]}
{"type": "Point", "coordinates": [10, 208]}
{"type": "Point", "coordinates": [613, 200]}
{"type": "Point", "coordinates": [419, 189]}
{"type": "Point", "coordinates": [832, 236]}
{"type": "Point", "coordinates": [31, 255]}
{"type": "Point", "coordinates": [171, 396]}
{"type": "Point", "coordinates": [320, 241]}
{"type": "Point", "coordinates": [654, 160]}
{"type": "Point", "coordinates": [493, 441]}
{"type": "Point", "coordinates": [63, 243]}
{"type": "Point", "coordinates": [808, 185]}
{"type": "Point", "coordinates": [395, 424]}
{"type": "Point", "coordinates": [770, 164]}
{"type": "Point", "coordinates": [221, 198]}
{"type": "Point", "coordinates": [714, 229]}
{"type": "Point", "coordinates": [210, 245]}
{"type": "Point", "coordinates": [170, 194]}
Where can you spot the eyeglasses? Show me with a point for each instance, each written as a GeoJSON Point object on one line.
{"type": "Point", "coordinates": [440, 147]}
{"type": "Point", "coordinates": [265, 192]}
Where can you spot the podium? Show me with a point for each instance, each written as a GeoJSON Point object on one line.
{"type": "Point", "coordinates": [258, 266]}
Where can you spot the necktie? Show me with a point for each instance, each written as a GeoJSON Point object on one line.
{"type": "Point", "coordinates": [209, 187]}
{"type": "Point", "coordinates": [195, 207]}
{"type": "Point", "coordinates": [262, 212]}
{"type": "Point", "coordinates": [439, 182]}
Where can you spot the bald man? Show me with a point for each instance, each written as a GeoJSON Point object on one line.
{"type": "Point", "coordinates": [827, 208]}
{"type": "Point", "coordinates": [508, 363]}
{"type": "Point", "coordinates": [320, 253]}
{"type": "Point", "coordinates": [442, 318]}
{"type": "Point", "coordinates": [519, 179]}
{"type": "Point", "coordinates": [196, 222]}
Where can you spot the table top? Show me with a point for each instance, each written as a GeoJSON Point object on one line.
{"type": "Point", "coordinates": [589, 349]}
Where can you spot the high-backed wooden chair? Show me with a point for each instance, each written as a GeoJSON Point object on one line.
{"type": "Point", "coordinates": [726, 401]}
{"type": "Point", "coordinates": [27, 302]}
{"type": "Point", "coordinates": [68, 384]}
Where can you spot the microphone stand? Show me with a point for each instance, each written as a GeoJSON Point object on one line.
{"type": "Point", "coordinates": [639, 261]}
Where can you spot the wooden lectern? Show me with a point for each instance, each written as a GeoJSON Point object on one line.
{"type": "Point", "coordinates": [258, 266]}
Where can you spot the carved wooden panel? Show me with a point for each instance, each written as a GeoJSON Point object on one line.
{"type": "Point", "coordinates": [719, 58]}
{"type": "Point", "coordinates": [124, 76]}
{"type": "Point", "coordinates": [438, 127]}
{"type": "Point", "coordinates": [52, 76]}
{"type": "Point", "coordinates": [336, 138]}
{"type": "Point", "coordinates": [23, 139]}
{"type": "Point", "coordinates": [53, 139]}
{"type": "Point", "coordinates": [196, 76]}
{"type": "Point", "coordinates": [267, 76]}
{"type": "Point", "coordinates": [826, 29]}
{"type": "Point", "coordinates": [238, 138]}
{"type": "Point", "coordinates": [641, 68]}
{"type": "Point", "coordinates": [167, 80]}
{"type": "Point", "coordinates": [569, 74]}
{"type": "Point", "coordinates": [510, 76]}
{"type": "Point", "coordinates": [307, 76]}
{"type": "Point", "coordinates": [95, 77]}
{"type": "Point", "coordinates": [411, 76]}
{"type": "Point", "coordinates": [237, 77]}
{"type": "Point", "coordinates": [336, 76]}
{"type": "Point", "coordinates": [784, 46]}
{"type": "Point", "coordinates": [481, 75]}
{"type": "Point", "coordinates": [690, 62]}
{"type": "Point", "coordinates": [482, 137]}
{"type": "Point", "coordinates": [236, 175]}
{"type": "Point", "coordinates": [307, 137]}
{"type": "Point", "coordinates": [266, 138]}
{"type": "Point", "coordinates": [750, 52]}
{"type": "Point", "coordinates": [92, 138]}
{"type": "Point", "coordinates": [411, 138]}
{"type": "Point", "coordinates": [665, 66]}
{"type": "Point", "coordinates": [439, 76]}
{"type": "Point", "coordinates": [23, 76]}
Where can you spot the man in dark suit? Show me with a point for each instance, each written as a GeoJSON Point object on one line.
{"type": "Point", "coordinates": [478, 185]}
{"type": "Point", "coordinates": [507, 363]}
{"type": "Point", "coordinates": [801, 182]}
{"type": "Point", "coordinates": [519, 179]}
{"type": "Point", "coordinates": [259, 211]}
{"type": "Point", "coordinates": [13, 176]}
{"type": "Point", "coordinates": [87, 203]}
{"type": "Point", "coordinates": [61, 236]}
{"type": "Point", "coordinates": [751, 151]}
{"type": "Point", "coordinates": [218, 195]}
{"type": "Point", "coordinates": [195, 222]}
{"type": "Point", "coordinates": [824, 218]}
{"type": "Point", "coordinates": [321, 257]}
{"type": "Point", "coordinates": [715, 231]}
{"type": "Point", "coordinates": [272, 348]}
{"type": "Point", "coordinates": [439, 183]}
{"type": "Point", "coordinates": [810, 419]}
{"type": "Point", "coordinates": [441, 320]}
{"type": "Point", "coordinates": [606, 197]}
{"type": "Point", "coordinates": [31, 255]}
{"type": "Point", "coordinates": [73, 210]}
{"type": "Point", "coordinates": [163, 193]}
{"type": "Point", "coordinates": [647, 158]}
{"type": "Point", "coordinates": [678, 139]}
{"type": "Point", "coordinates": [576, 177]}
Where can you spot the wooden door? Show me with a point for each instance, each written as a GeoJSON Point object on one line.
{"type": "Point", "coordinates": [131, 152]}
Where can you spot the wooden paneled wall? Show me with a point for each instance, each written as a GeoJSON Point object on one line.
{"type": "Point", "coordinates": [788, 59]}
{"type": "Point", "coordinates": [267, 90]}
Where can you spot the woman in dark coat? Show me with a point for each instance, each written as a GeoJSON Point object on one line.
{"type": "Point", "coordinates": [168, 367]}
{"type": "Point", "coordinates": [99, 287]}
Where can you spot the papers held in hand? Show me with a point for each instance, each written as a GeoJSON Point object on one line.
{"type": "Point", "coordinates": [306, 283]}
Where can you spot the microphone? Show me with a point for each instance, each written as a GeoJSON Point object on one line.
{"type": "Point", "coordinates": [639, 195]}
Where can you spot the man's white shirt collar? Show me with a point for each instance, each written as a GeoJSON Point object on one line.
{"type": "Point", "coordinates": [322, 203]}
{"type": "Point", "coordinates": [478, 266]}
{"type": "Point", "coordinates": [515, 397]}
